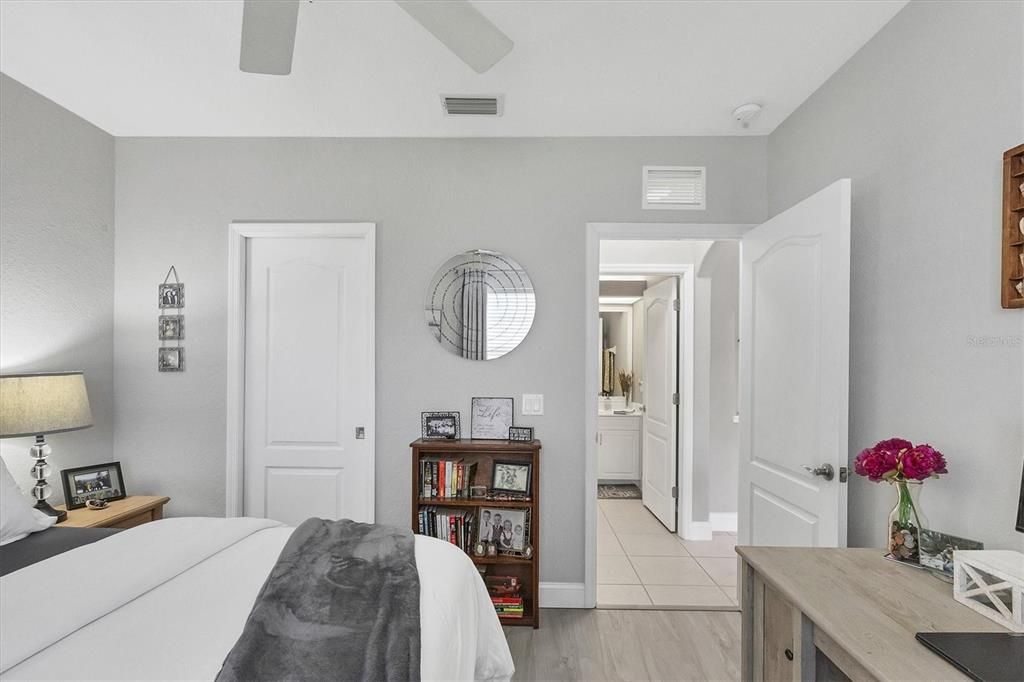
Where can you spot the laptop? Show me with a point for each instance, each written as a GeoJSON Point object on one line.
{"type": "Point", "coordinates": [984, 656]}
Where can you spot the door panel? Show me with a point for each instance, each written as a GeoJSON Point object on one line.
{"type": "Point", "coordinates": [299, 363]}
{"type": "Point", "coordinates": [308, 352]}
{"type": "Point", "coordinates": [661, 351]}
{"type": "Point", "coordinates": [320, 490]}
{"type": "Point", "coordinates": [794, 373]}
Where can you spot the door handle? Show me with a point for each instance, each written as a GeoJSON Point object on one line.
{"type": "Point", "coordinates": [825, 471]}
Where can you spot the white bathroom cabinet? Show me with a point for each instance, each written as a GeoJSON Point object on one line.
{"type": "Point", "coordinates": [618, 448]}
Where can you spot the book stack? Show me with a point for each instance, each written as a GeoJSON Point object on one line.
{"type": "Point", "coordinates": [504, 591]}
{"type": "Point", "coordinates": [445, 478]}
{"type": "Point", "coordinates": [457, 526]}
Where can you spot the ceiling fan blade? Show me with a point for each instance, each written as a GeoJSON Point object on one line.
{"type": "Point", "coordinates": [462, 29]}
{"type": "Point", "coordinates": [268, 36]}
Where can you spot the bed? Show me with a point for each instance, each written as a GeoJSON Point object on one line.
{"type": "Point", "coordinates": [168, 600]}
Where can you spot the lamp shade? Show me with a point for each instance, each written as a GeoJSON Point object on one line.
{"type": "Point", "coordinates": [34, 404]}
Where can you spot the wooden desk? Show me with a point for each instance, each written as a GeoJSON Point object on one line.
{"type": "Point", "coordinates": [132, 511]}
{"type": "Point", "coordinates": [828, 613]}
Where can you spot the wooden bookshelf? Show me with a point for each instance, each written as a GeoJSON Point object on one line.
{"type": "Point", "coordinates": [484, 453]}
{"type": "Point", "coordinates": [1013, 227]}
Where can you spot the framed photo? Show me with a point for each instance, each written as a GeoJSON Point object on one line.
{"type": "Point", "coordinates": [511, 477]}
{"type": "Point", "coordinates": [937, 549]}
{"type": "Point", "coordinates": [96, 482]}
{"type": "Point", "coordinates": [440, 425]}
{"type": "Point", "coordinates": [520, 433]}
{"type": "Point", "coordinates": [171, 295]}
{"type": "Point", "coordinates": [170, 359]}
{"type": "Point", "coordinates": [491, 418]}
{"type": "Point", "coordinates": [171, 327]}
{"type": "Point", "coordinates": [478, 491]}
{"type": "Point", "coordinates": [509, 529]}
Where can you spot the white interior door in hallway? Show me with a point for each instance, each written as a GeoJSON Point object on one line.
{"type": "Point", "coordinates": [794, 374]}
{"type": "Point", "coordinates": [308, 400]}
{"type": "Point", "coordinates": [661, 414]}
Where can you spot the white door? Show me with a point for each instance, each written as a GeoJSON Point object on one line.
{"type": "Point", "coordinates": [794, 373]}
{"type": "Point", "coordinates": [309, 378]}
{"type": "Point", "coordinates": [661, 353]}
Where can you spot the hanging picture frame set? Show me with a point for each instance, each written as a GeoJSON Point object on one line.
{"type": "Point", "coordinates": [171, 327]}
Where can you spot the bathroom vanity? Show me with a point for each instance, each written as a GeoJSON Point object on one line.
{"type": "Point", "coordinates": [619, 439]}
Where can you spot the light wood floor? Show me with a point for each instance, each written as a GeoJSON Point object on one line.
{"type": "Point", "coordinates": [597, 644]}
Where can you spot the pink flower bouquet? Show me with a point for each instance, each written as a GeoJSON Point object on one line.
{"type": "Point", "coordinates": [905, 465]}
{"type": "Point", "coordinates": [897, 459]}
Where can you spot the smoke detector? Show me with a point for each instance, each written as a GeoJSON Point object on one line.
{"type": "Point", "coordinates": [745, 113]}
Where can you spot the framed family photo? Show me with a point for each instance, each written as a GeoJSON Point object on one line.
{"type": "Point", "coordinates": [511, 477]}
{"type": "Point", "coordinates": [937, 549]}
{"type": "Point", "coordinates": [509, 529]}
{"type": "Point", "coordinates": [96, 482]}
{"type": "Point", "coordinates": [170, 359]}
{"type": "Point", "coordinates": [171, 327]}
{"type": "Point", "coordinates": [440, 425]}
{"type": "Point", "coordinates": [171, 295]}
{"type": "Point", "coordinates": [491, 418]}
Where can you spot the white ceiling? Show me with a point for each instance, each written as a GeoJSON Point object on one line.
{"type": "Point", "coordinates": [365, 68]}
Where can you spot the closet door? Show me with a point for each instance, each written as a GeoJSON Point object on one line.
{"type": "Point", "coordinates": [309, 378]}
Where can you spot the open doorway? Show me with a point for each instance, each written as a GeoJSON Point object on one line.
{"type": "Point", "coordinates": [793, 386]}
{"type": "Point", "coordinates": [668, 442]}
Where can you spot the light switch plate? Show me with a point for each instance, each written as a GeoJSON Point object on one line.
{"type": "Point", "coordinates": [533, 404]}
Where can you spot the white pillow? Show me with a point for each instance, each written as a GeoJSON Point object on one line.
{"type": "Point", "coordinates": [18, 517]}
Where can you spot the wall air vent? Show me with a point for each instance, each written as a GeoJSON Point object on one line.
{"type": "Point", "coordinates": [477, 105]}
{"type": "Point", "coordinates": [674, 187]}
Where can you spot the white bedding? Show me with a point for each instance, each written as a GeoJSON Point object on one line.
{"type": "Point", "coordinates": [167, 600]}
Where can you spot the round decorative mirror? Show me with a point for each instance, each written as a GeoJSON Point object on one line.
{"type": "Point", "coordinates": [480, 305]}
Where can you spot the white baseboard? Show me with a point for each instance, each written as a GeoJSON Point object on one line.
{"type": "Point", "coordinates": [562, 596]}
{"type": "Point", "coordinates": [697, 530]}
{"type": "Point", "coordinates": [724, 522]}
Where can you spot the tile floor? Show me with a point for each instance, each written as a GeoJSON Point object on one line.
{"type": "Point", "coordinates": [641, 565]}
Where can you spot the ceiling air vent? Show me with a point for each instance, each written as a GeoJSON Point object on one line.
{"type": "Point", "coordinates": [674, 187]}
{"type": "Point", "coordinates": [462, 105]}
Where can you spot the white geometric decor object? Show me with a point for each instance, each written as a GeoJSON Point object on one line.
{"type": "Point", "coordinates": [991, 581]}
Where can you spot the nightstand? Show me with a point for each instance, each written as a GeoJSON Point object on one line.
{"type": "Point", "coordinates": [132, 511]}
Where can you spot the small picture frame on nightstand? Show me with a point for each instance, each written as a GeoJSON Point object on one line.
{"type": "Point", "coordinates": [95, 482]}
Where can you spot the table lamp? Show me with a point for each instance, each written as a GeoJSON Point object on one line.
{"type": "Point", "coordinates": [38, 404]}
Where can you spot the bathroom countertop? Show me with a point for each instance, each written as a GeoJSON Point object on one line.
{"type": "Point", "coordinates": [634, 410]}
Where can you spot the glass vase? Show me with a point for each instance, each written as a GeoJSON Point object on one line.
{"type": "Point", "coordinates": [906, 521]}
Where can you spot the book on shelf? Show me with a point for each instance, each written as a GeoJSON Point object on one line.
{"type": "Point", "coordinates": [445, 478]}
{"type": "Point", "coordinates": [509, 607]}
{"type": "Point", "coordinates": [456, 526]}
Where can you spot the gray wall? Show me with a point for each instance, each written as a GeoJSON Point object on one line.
{"type": "Point", "coordinates": [430, 199]}
{"type": "Point", "coordinates": [56, 265]}
{"type": "Point", "coordinates": [919, 119]}
{"type": "Point", "coordinates": [722, 267]}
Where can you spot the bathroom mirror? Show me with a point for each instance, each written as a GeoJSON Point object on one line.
{"type": "Point", "coordinates": [480, 305]}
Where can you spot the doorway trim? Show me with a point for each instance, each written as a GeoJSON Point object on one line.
{"type": "Point", "coordinates": [595, 233]}
{"type": "Point", "coordinates": [238, 235]}
{"type": "Point", "coordinates": [686, 273]}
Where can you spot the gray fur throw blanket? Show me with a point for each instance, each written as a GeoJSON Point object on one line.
{"type": "Point", "coordinates": [342, 603]}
